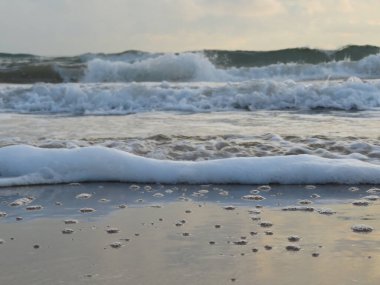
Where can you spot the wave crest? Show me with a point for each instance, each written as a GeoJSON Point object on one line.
{"type": "Point", "coordinates": [167, 67]}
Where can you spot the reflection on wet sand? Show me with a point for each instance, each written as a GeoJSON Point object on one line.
{"type": "Point", "coordinates": [188, 235]}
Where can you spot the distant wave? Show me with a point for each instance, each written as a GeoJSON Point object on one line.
{"type": "Point", "coordinates": [189, 67]}
{"type": "Point", "coordinates": [291, 55]}
{"type": "Point", "coordinates": [207, 65]}
{"type": "Point", "coordinates": [89, 164]}
{"type": "Point", "coordinates": [126, 98]}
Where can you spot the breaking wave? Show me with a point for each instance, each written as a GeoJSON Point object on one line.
{"type": "Point", "coordinates": [127, 98]}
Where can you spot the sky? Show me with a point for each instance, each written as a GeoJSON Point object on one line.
{"type": "Point", "coordinates": [69, 27]}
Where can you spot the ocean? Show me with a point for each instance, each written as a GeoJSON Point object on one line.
{"type": "Point", "coordinates": [206, 167]}
{"type": "Point", "coordinates": [293, 116]}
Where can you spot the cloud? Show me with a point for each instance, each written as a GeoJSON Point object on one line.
{"type": "Point", "coordinates": [78, 26]}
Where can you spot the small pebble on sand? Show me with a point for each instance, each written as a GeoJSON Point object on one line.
{"type": "Point", "coordinates": [104, 200]}
{"type": "Point", "coordinates": [372, 197]}
{"type": "Point", "coordinates": [268, 247]}
{"type": "Point", "coordinates": [305, 202]}
{"type": "Point", "coordinates": [374, 190]}
{"type": "Point", "coordinates": [112, 230]}
{"type": "Point", "coordinates": [156, 206]}
{"type": "Point", "coordinates": [353, 189]}
{"type": "Point", "coordinates": [315, 254]}
{"type": "Point", "coordinates": [125, 239]}
{"type": "Point", "coordinates": [293, 238]}
{"type": "Point", "coordinates": [255, 218]}
{"type": "Point", "coordinates": [229, 208]}
{"type": "Point", "coordinates": [362, 228]}
{"type": "Point", "coordinates": [293, 247]}
{"type": "Point", "coordinates": [67, 231]}
{"type": "Point", "coordinates": [70, 221]}
{"type": "Point", "coordinates": [217, 226]}
{"type": "Point", "coordinates": [265, 224]}
{"type": "Point", "coordinates": [19, 218]}
{"type": "Point", "coordinates": [360, 203]}
{"type": "Point", "coordinates": [36, 246]}
{"type": "Point", "coordinates": [87, 210]}
{"type": "Point", "coordinates": [185, 234]}
{"type": "Point", "coordinates": [326, 211]}
{"type": "Point", "coordinates": [253, 197]}
{"type": "Point", "coordinates": [34, 208]}
{"type": "Point", "coordinates": [241, 242]}
{"type": "Point", "coordinates": [122, 206]}
{"type": "Point", "coordinates": [298, 208]}
{"type": "Point", "coordinates": [2, 241]}
{"type": "Point", "coordinates": [116, 244]}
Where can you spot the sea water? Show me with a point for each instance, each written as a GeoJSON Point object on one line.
{"type": "Point", "coordinates": [194, 117]}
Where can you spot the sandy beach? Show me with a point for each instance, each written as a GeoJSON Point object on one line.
{"type": "Point", "coordinates": [210, 234]}
{"type": "Point", "coordinates": [191, 142]}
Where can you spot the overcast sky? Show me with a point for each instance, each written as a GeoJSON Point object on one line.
{"type": "Point", "coordinates": [67, 27]}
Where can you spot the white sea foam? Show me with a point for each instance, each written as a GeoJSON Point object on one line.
{"type": "Point", "coordinates": [197, 148]}
{"type": "Point", "coordinates": [25, 165]}
{"type": "Point", "coordinates": [126, 98]}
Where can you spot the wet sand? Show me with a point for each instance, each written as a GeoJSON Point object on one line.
{"type": "Point", "coordinates": [153, 234]}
